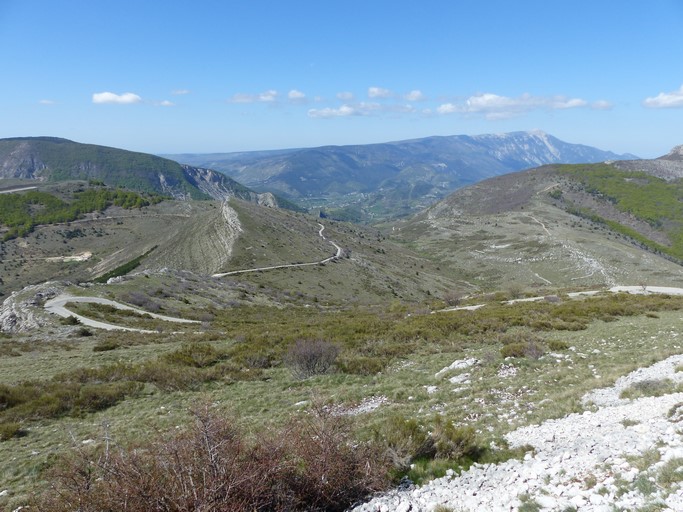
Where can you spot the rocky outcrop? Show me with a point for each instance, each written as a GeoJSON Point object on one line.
{"type": "Point", "coordinates": [675, 154]}
{"type": "Point", "coordinates": [21, 163]}
{"type": "Point", "coordinates": [20, 312]}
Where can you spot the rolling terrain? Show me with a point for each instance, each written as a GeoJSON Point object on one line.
{"type": "Point", "coordinates": [375, 181]}
{"type": "Point", "coordinates": [430, 364]}
{"type": "Point", "coordinates": [573, 225]}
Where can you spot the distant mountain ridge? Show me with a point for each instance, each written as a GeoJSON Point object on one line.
{"type": "Point", "coordinates": [408, 174]}
{"type": "Point", "coordinates": [56, 159]}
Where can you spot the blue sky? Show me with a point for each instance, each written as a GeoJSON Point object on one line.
{"type": "Point", "coordinates": [215, 76]}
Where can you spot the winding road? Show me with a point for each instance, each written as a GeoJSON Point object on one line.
{"type": "Point", "coordinates": [641, 290]}
{"type": "Point", "coordinates": [57, 306]}
{"type": "Point", "coordinates": [336, 256]}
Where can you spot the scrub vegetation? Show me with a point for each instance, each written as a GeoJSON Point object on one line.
{"type": "Point", "coordinates": [274, 380]}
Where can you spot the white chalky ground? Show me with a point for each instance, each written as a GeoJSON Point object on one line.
{"type": "Point", "coordinates": [580, 461]}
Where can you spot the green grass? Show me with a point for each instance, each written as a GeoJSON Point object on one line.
{"type": "Point", "coordinates": [650, 387]}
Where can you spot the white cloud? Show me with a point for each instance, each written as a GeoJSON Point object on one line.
{"type": "Point", "coordinates": [447, 108]}
{"type": "Point", "coordinates": [378, 92]}
{"type": "Point", "coordinates": [345, 96]}
{"type": "Point", "coordinates": [666, 100]}
{"type": "Point", "coordinates": [180, 92]}
{"type": "Point", "coordinates": [415, 95]}
{"type": "Point", "coordinates": [166, 103]}
{"type": "Point", "coordinates": [242, 98]}
{"type": "Point", "coordinates": [47, 102]}
{"type": "Point", "coordinates": [493, 106]}
{"type": "Point", "coordinates": [296, 96]}
{"type": "Point", "coordinates": [269, 96]}
{"type": "Point", "coordinates": [563, 103]}
{"type": "Point", "coordinates": [601, 105]}
{"type": "Point", "coordinates": [119, 99]}
{"type": "Point", "coordinates": [343, 111]}
{"type": "Point", "coordinates": [361, 109]}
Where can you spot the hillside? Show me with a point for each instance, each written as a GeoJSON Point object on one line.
{"type": "Point", "coordinates": [51, 159]}
{"type": "Point", "coordinates": [373, 181]}
{"type": "Point", "coordinates": [206, 237]}
{"type": "Point", "coordinates": [558, 225]}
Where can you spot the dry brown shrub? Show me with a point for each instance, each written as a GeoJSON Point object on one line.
{"type": "Point", "coordinates": [312, 465]}
{"type": "Point", "coordinates": [307, 358]}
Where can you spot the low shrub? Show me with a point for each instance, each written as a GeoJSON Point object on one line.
{"type": "Point", "coordinates": [8, 430]}
{"type": "Point", "coordinates": [452, 442]}
{"type": "Point", "coordinates": [529, 349]}
{"type": "Point", "coordinates": [557, 345]}
{"type": "Point", "coordinates": [106, 345]}
{"type": "Point", "coordinates": [313, 465]}
{"type": "Point", "coordinates": [84, 331]}
{"type": "Point", "coordinates": [196, 355]}
{"type": "Point", "coordinates": [69, 320]}
{"type": "Point", "coordinates": [649, 387]}
{"type": "Point", "coordinates": [404, 440]}
{"type": "Point", "coordinates": [96, 397]}
{"type": "Point", "coordinates": [307, 358]}
{"type": "Point", "coordinates": [361, 365]}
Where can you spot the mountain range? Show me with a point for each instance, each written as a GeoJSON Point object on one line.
{"type": "Point", "coordinates": [372, 181]}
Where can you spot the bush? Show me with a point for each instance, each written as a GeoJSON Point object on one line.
{"type": "Point", "coordinates": [529, 349]}
{"type": "Point", "coordinates": [649, 387]}
{"type": "Point", "coordinates": [453, 442]}
{"type": "Point", "coordinates": [69, 320]}
{"type": "Point", "coordinates": [452, 298]}
{"type": "Point", "coordinates": [308, 358]}
{"type": "Point", "coordinates": [312, 465]}
{"type": "Point", "coordinates": [84, 331]}
{"type": "Point", "coordinates": [404, 440]}
{"type": "Point", "coordinates": [105, 346]}
{"type": "Point", "coordinates": [8, 430]}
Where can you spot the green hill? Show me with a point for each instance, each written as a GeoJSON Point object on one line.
{"type": "Point", "coordinates": [53, 159]}
{"type": "Point", "coordinates": [557, 225]}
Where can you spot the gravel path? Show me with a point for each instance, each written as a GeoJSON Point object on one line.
{"type": "Point", "coordinates": [57, 306]}
{"type": "Point", "coordinates": [594, 461]}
